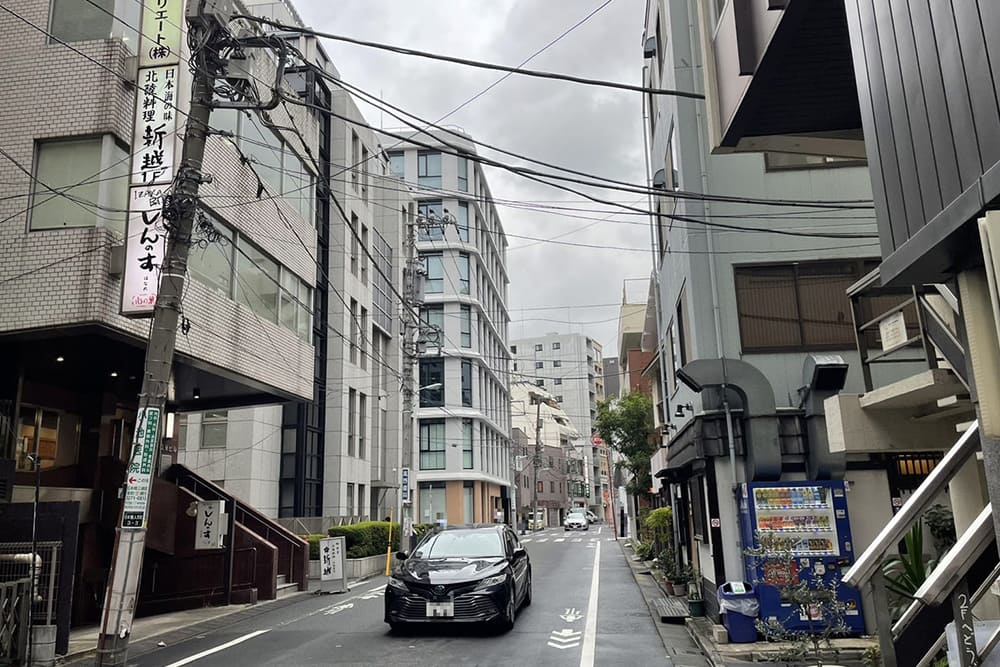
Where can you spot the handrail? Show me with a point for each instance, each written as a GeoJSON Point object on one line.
{"type": "Point", "coordinates": [870, 560]}
{"type": "Point", "coordinates": [947, 295]}
{"type": "Point", "coordinates": [973, 601]}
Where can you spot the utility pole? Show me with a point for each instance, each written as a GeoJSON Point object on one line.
{"type": "Point", "coordinates": [179, 211]}
{"type": "Point", "coordinates": [537, 459]}
{"type": "Point", "coordinates": [412, 293]}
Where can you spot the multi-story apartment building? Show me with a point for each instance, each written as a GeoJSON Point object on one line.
{"type": "Point", "coordinates": [747, 303]}
{"type": "Point", "coordinates": [462, 466]}
{"type": "Point", "coordinates": [563, 456]}
{"type": "Point", "coordinates": [911, 87]}
{"type": "Point", "coordinates": [75, 297]}
{"type": "Point", "coordinates": [571, 367]}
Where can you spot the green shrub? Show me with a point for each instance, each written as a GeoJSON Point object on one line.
{"type": "Point", "coordinates": [313, 544]}
{"type": "Point", "coordinates": [368, 538]}
{"type": "Point", "coordinates": [659, 524]}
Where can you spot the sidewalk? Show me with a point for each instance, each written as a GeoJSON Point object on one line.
{"type": "Point", "coordinates": [149, 631]}
{"type": "Point", "coordinates": [676, 639]}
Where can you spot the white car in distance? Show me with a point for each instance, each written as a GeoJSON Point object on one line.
{"type": "Point", "coordinates": [576, 521]}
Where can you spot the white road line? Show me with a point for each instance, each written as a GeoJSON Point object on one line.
{"type": "Point", "coordinates": [577, 539]}
{"type": "Point", "coordinates": [221, 647]}
{"type": "Point", "coordinates": [525, 539]}
{"type": "Point", "coordinates": [560, 539]}
{"type": "Point", "coordinates": [590, 632]}
{"type": "Point", "coordinates": [543, 539]}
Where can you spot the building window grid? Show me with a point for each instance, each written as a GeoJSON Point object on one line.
{"type": "Point", "coordinates": [352, 418]}
{"type": "Point", "coordinates": [467, 452]}
{"type": "Point", "coordinates": [362, 422]}
{"type": "Point", "coordinates": [432, 445]}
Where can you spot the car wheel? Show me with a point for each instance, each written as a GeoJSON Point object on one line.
{"type": "Point", "coordinates": [507, 620]}
{"type": "Point", "coordinates": [527, 592]}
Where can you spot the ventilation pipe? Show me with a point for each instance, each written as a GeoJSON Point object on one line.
{"type": "Point", "coordinates": [824, 376]}
{"type": "Point", "coordinates": [760, 434]}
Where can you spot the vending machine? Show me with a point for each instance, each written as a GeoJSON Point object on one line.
{"type": "Point", "coordinates": [812, 517]}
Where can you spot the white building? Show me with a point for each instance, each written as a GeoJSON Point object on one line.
{"type": "Point", "coordinates": [462, 463]}
{"type": "Point", "coordinates": [571, 367]}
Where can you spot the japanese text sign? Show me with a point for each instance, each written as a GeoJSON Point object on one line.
{"type": "Point", "coordinates": [140, 468]}
{"type": "Point", "coordinates": [209, 524]}
{"type": "Point", "coordinates": [161, 32]}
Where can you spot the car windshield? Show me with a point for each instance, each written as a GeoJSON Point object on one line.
{"type": "Point", "coordinates": [462, 544]}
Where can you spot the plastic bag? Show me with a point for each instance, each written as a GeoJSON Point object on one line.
{"type": "Point", "coordinates": [745, 606]}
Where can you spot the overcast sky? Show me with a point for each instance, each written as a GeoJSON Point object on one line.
{"type": "Point", "coordinates": [596, 130]}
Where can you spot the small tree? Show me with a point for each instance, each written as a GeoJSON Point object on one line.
{"type": "Point", "coordinates": [810, 597]}
{"type": "Point", "coordinates": [626, 424]}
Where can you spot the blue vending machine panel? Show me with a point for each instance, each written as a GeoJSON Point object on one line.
{"type": "Point", "coordinates": [812, 520]}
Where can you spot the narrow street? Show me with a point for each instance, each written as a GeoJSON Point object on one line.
{"type": "Point", "coordinates": [576, 618]}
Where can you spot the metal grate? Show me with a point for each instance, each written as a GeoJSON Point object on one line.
{"type": "Point", "coordinates": [16, 565]}
{"type": "Point", "coordinates": [13, 621]}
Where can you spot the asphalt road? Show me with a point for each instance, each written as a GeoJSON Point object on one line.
{"type": "Point", "coordinates": [577, 617]}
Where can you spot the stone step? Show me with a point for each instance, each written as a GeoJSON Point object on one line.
{"type": "Point", "coordinates": [284, 590]}
{"type": "Point", "coordinates": [282, 579]}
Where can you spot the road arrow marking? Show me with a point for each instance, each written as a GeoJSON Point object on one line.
{"type": "Point", "coordinates": [571, 615]}
{"type": "Point", "coordinates": [339, 608]}
{"type": "Point", "coordinates": [562, 647]}
{"type": "Point", "coordinates": [563, 639]}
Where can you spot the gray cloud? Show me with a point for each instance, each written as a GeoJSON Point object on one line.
{"type": "Point", "coordinates": [591, 129]}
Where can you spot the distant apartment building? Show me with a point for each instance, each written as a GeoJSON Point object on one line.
{"type": "Point", "coordinates": [570, 366]}
{"type": "Point", "coordinates": [463, 459]}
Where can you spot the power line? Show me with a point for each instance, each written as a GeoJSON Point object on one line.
{"type": "Point", "coordinates": [473, 63]}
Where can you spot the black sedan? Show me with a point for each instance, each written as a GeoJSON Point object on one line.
{"type": "Point", "coordinates": [460, 574]}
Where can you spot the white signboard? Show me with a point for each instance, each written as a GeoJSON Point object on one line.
{"type": "Point", "coordinates": [161, 32]}
{"type": "Point", "coordinates": [145, 248]}
{"type": "Point", "coordinates": [140, 468]}
{"type": "Point", "coordinates": [210, 524]}
{"type": "Point", "coordinates": [892, 331]}
{"type": "Point", "coordinates": [155, 125]}
{"type": "Point", "coordinates": [333, 561]}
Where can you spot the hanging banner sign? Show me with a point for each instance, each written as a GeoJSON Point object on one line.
{"type": "Point", "coordinates": [145, 249]}
{"type": "Point", "coordinates": [161, 32]}
{"type": "Point", "coordinates": [140, 468]}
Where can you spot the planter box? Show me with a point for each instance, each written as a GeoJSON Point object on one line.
{"type": "Point", "coordinates": [356, 567]}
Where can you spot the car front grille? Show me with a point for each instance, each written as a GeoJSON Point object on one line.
{"type": "Point", "coordinates": [467, 608]}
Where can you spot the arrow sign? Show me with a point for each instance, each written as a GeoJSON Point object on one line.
{"type": "Point", "coordinates": [571, 615]}
{"type": "Point", "coordinates": [563, 639]}
{"type": "Point", "coordinates": [339, 608]}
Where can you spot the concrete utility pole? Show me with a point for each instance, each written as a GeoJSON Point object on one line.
{"type": "Point", "coordinates": [180, 211]}
{"type": "Point", "coordinates": [537, 459]}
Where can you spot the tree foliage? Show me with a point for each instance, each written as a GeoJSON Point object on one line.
{"type": "Point", "coordinates": [626, 424]}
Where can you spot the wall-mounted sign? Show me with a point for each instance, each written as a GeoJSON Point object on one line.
{"type": "Point", "coordinates": [210, 524]}
{"type": "Point", "coordinates": [404, 485]}
{"type": "Point", "coordinates": [892, 331]}
{"type": "Point", "coordinates": [154, 153]}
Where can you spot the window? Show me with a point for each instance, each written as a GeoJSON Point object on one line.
{"type": "Point", "coordinates": [513, 349]}
{"type": "Point", "coordinates": [432, 373]}
{"type": "Point", "coordinates": [463, 220]}
{"type": "Point", "coordinates": [538, 348]}
{"type": "Point", "coordinates": [82, 20]}
{"type": "Point", "coordinates": [559, 399]}
{"type": "Point", "coordinates": [557, 381]}
{"type": "Point", "coordinates": [796, 306]}
{"type": "Point", "coordinates": [355, 244]}
{"type": "Point", "coordinates": [397, 162]}
{"type": "Point", "coordinates": [539, 364]}
{"type": "Point", "coordinates": [429, 169]}
{"type": "Point", "coordinates": [787, 161]}
{"type": "Point", "coordinates": [466, 383]}
{"type": "Point", "coordinates": [214, 426]}
{"type": "Point", "coordinates": [541, 487]}
{"type": "Point", "coordinates": [556, 346]}
{"type": "Point", "coordinates": [434, 280]}
{"type": "Point", "coordinates": [467, 460]}
{"type": "Point", "coordinates": [352, 420]}
{"type": "Point", "coordinates": [433, 316]}
{"type": "Point", "coordinates": [364, 173]}
{"type": "Point", "coordinates": [257, 284]}
{"type": "Point", "coordinates": [364, 254]}
{"type": "Point", "coordinates": [350, 499]}
{"type": "Point", "coordinates": [557, 363]}
{"type": "Point", "coordinates": [431, 228]}
{"type": "Point", "coordinates": [355, 159]}
{"type": "Point", "coordinates": [363, 342]}
{"type": "Point", "coordinates": [70, 167]}
{"type": "Point", "coordinates": [463, 273]}
{"type": "Point", "coordinates": [540, 383]}
{"type": "Point", "coordinates": [466, 325]}
{"type": "Point", "coordinates": [463, 174]}
{"type": "Point", "coordinates": [432, 445]}
{"type": "Point", "coordinates": [354, 331]}
{"type": "Point", "coordinates": [212, 264]}
{"type": "Point", "coordinates": [362, 410]}
{"type": "Point", "coordinates": [552, 486]}
{"type": "Point", "coordinates": [361, 498]}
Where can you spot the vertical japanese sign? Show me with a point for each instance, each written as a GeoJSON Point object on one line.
{"type": "Point", "coordinates": [333, 563]}
{"type": "Point", "coordinates": [154, 153]}
{"type": "Point", "coordinates": [209, 524]}
{"type": "Point", "coordinates": [140, 468]}
{"type": "Point", "coordinates": [405, 485]}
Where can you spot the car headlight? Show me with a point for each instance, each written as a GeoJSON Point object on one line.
{"type": "Point", "coordinates": [398, 584]}
{"type": "Point", "coordinates": [489, 582]}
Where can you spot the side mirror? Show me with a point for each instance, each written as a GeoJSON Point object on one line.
{"type": "Point", "coordinates": [402, 555]}
{"type": "Point", "coordinates": [519, 552]}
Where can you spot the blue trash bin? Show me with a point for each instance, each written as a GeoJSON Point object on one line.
{"type": "Point", "coordinates": [740, 612]}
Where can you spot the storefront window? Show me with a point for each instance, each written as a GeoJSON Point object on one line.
{"type": "Point", "coordinates": [54, 435]}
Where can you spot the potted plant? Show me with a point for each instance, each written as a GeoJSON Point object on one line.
{"type": "Point", "coordinates": [680, 579]}
{"type": "Point", "coordinates": [696, 605]}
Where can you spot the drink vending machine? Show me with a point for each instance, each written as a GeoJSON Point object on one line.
{"type": "Point", "coordinates": [813, 517]}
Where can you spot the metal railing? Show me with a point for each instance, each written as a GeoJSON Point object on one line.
{"type": "Point", "coordinates": [15, 564]}
{"type": "Point", "coordinates": [14, 620]}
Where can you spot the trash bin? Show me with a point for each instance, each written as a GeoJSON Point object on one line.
{"type": "Point", "coordinates": [740, 610]}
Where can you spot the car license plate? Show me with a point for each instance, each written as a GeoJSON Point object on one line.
{"type": "Point", "coordinates": [440, 609]}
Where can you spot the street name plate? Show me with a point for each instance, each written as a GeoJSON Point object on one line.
{"type": "Point", "coordinates": [140, 469]}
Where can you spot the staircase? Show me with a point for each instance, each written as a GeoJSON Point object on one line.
{"type": "Point", "coordinates": [261, 560]}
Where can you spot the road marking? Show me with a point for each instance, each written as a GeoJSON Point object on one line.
{"type": "Point", "coordinates": [563, 639]}
{"type": "Point", "coordinates": [339, 608]}
{"type": "Point", "coordinates": [590, 632]}
{"type": "Point", "coordinates": [525, 539]}
{"type": "Point", "coordinates": [571, 615]}
{"type": "Point", "coordinates": [221, 647]}
{"type": "Point", "coordinates": [560, 539]}
{"type": "Point", "coordinates": [542, 539]}
{"type": "Point", "coordinates": [577, 539]}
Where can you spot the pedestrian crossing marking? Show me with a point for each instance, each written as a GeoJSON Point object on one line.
{"type": "Point", "coordinates": [560, 539]}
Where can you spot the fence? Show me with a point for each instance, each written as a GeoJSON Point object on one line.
{"type": "Point", "coordinates": [22, 571]}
